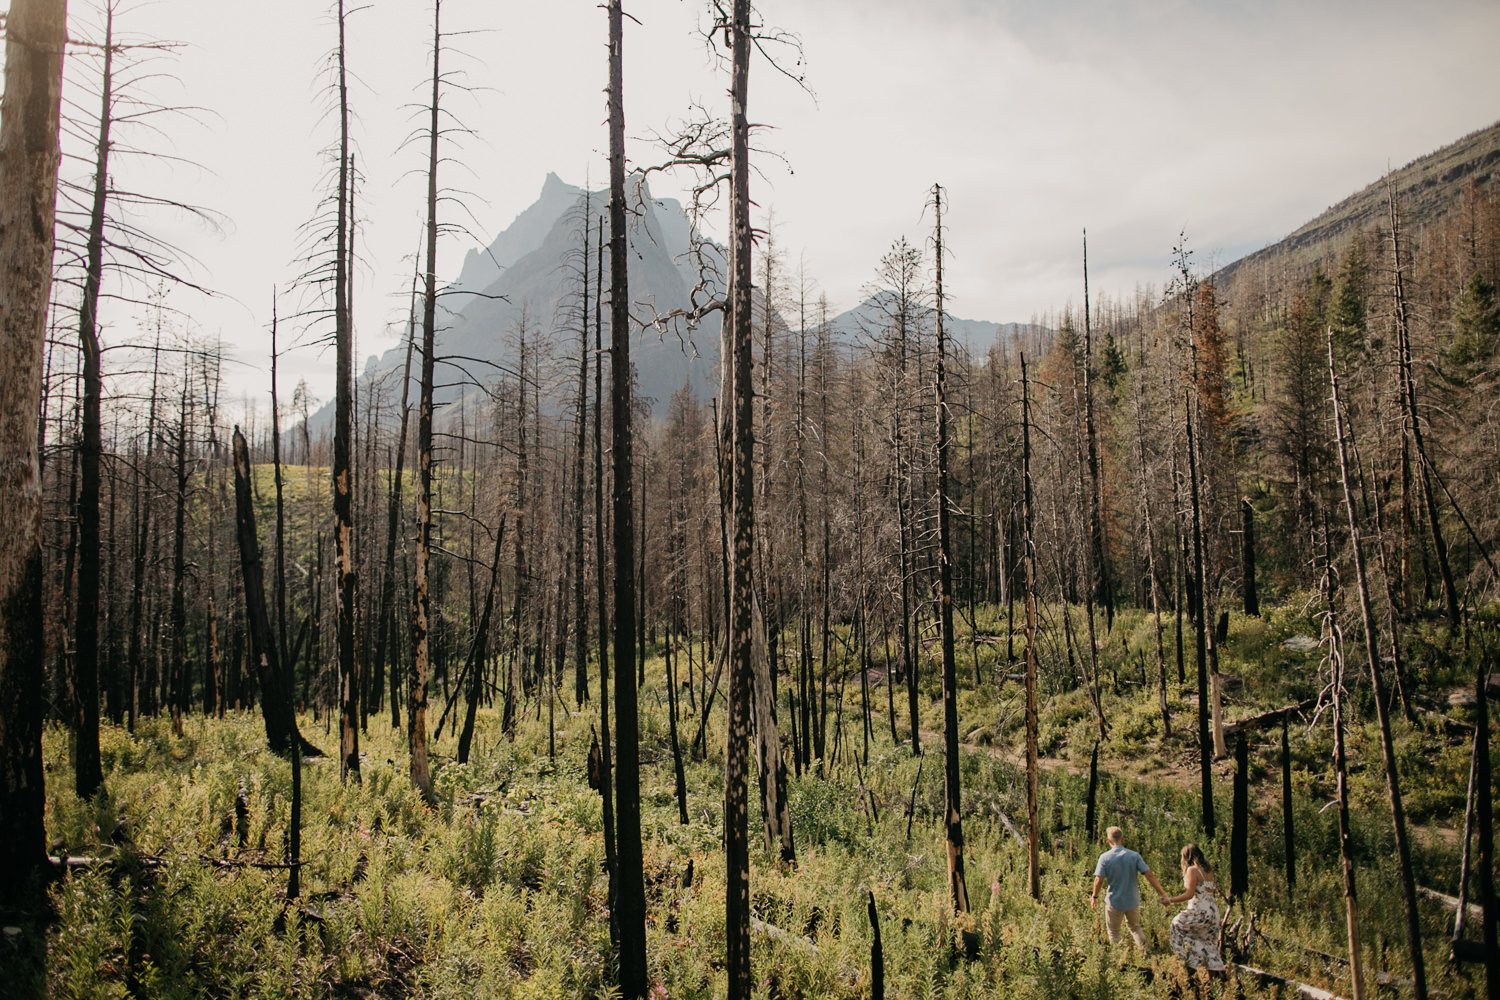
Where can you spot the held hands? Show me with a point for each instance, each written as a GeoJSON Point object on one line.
{"type": "Point", "coordinates": [1164, 900]}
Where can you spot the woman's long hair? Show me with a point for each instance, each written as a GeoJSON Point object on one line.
{"type": "Point", "coordinates": [1191, 855]}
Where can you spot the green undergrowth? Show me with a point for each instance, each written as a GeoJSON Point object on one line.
{"type": "Point", "coordinates": [499, 890]}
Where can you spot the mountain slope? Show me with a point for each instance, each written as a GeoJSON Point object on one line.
{"type": "Point", "coordinates": [1430, 185]}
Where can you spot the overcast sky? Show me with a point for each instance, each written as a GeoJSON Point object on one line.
{"type": "Point", "coordinates": [1136, 118]}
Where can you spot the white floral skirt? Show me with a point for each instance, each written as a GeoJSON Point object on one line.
{"type": "Point", "coordinates": [1195, 934]}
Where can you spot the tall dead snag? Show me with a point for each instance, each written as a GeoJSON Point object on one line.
{"type": "Point", "coordinates": [1382, 712]}
{"type": "Point", "coordinates": [36, 31]}
{"type": "Point", "coordinates": [738, 407]}
{"type": "Point", "coordinates": [601, 561]}
{"type": "Point", "coordinates": [385, 625]}
{"type": "Point", "coordinates": [1247, 552]}
{"type": "Point", "coordinates": [1486, 861]}
{"type": "Point", "coordinates": [275, 684]}
{"type": "Point", "coordinates": [1153, 585]}
{"type": "Point", "coordinates": [343, 491]}
{"type": "Point", "coordinates": [630, 889]}
{"type": "Point", "coordinates": [1103, 590]}
{"type": "Point", "coordinates": [1239, 839]}
{"type": "Point", "coordinates": [87, 772]}
{"type": "Point", "coordinates": [1033, 823]}
{"type": "Point", "coordinates": [1200, 609]}
{"type": "Point", "coordinates": [581, 416]}
{"type": "Point", "coordinates": [953, 812]}
{"type": "Point", "coordinates": [1411, 421]}
{"type": "Point", "coordinates": [421, 619]}
{"type": "Point", "coordinates": [1288, 829]}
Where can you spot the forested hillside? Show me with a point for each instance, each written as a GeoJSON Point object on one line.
{"type": "Point", "coordinates": [822, 677]}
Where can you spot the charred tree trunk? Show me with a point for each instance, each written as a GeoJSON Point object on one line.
{"type": "Point", "coordinates": [953, 817]}
{"type": "Point", "coordinates": [421, 628]}
{"type": "Point", "coordinates": [479, 651]}
{"type": "Point", "coordinates": [739, 409]}
{"type": "Point", "coordinates": [87, 773]}
{"type": "Point", "coordinates": [343, 493]}
{"type": "Point", "coordinates": [1103, 590]}
{"type": "Point", "coordinates": [1288, 830]}
{"type": "Point", "coordinates": [1200, 623]}
{"type": "Point", "coordinates": [1239, 843]}
{"type": "Point", "coordinates": [1033, 822]}
{"type": "Point", "coordinates": [275, 691]}
{"type": "Point", "coordinates": [386, 641]}
{"type": "Point", "coordinates": [630, 884]}
{"type": "Point", "coordinates": [1247, 549]}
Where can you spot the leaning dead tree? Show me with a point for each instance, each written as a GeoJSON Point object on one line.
{"type": "Point", "coordinates": [1382, 709]}
{"type": "Point", "coordinates": [275, 679]}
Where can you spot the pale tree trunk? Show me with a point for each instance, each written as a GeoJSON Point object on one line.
{"type": "Point", "coordinates": [1341, 775]}
{"type": "Point", "coordinates": [36, 31]}
{"type": "Point", "coordinates": [630, 878]}
{"type": "Point", "coordinates": [1382, 712]}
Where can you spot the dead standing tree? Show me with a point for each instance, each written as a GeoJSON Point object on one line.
{"type": "Point", "coordinates": [421, 627]}
{"type": "Point", "coordinates": [953, 821]}
{"type": "Point", "coordinates": [630, 891]}
{"type": "Point", "coordinates": [36, 31]}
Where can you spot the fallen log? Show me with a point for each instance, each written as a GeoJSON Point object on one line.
{"type": "Point", "coordinates": [1472, 910]}
{"type": "Point", "coordinates": [1302, 989]}
{"type": "Point", "coordinates": [775, 933]}
{"type": "Point", "coordinates": [1004, 819]}
{"type": "Point", "coordinates": [1270, 718]}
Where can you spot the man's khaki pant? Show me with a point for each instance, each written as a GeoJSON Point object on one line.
{"type": "Point", "coordinates": [1112, 919]}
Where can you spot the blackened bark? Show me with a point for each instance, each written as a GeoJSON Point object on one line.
{"type": "Point", "coordinates": [421, 629]}
{"type": "Point", "coordinates": [88, 774]}
{"type": "Point", "coordinates": [630, 878]}
{"type": "Point", "coordinates": [1200, 623]}
{"type": "Point", "coordinates": [1033, 822]}
{"type": "Point", "coordinates": [1239, 845]}
{"type": "Point", "coordinates": [739, 402]}
{"type": "Point", "coordinates": [953, 817]}
{"type": "Point", "coordinates": [1247, 548]}
{"type": "Point", "coordinates": [275, 691]}
{"type": "Point", "coordinates": [343, 493]}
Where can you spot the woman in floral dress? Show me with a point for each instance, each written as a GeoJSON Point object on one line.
{"type": "Point", "coordinates": [1195, 931]}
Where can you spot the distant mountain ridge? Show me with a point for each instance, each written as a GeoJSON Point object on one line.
{"type": "Point", "coordinates": [531, 270]}
{"type": "Point", "coordinates": [1429, 187]}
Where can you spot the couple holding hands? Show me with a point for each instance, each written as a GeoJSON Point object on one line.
{"type": "Point", "coordinates": [1195, 931]}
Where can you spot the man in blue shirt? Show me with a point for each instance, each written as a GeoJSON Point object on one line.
{"type": "Point", "coordinates": [1120, 867]}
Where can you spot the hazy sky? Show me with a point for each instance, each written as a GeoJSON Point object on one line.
{"type": "Point", "coordinates": [1136, 118]}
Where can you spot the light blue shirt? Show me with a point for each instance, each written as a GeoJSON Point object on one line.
{"type": "Point", "coordinates": [1120, 867]}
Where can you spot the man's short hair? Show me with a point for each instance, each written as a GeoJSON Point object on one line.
{"type": "Point", "coordinates": [1115, 835]}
